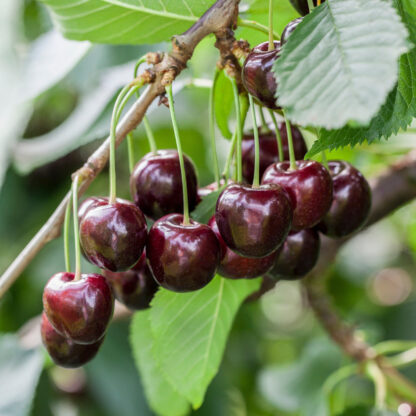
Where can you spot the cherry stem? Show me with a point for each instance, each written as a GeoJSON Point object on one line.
{"type": "Point", "coordinates": [311, 5]}
{"type": "Point", "coordinates": [141, 60]}
{"type": "Point", "coordinates": [130, 150]}
{"type": "Point", "coordinates": [292, 157]}
{"type": "Point", "coordinates": [380, 384]}
{"type": "Point", "coordinates": [76, 229]}
{"type": "Point", "coordinates": [226, 171]}
{"type": "Point", "coordinates": [239, 130]}
{"type": "Point", "coordinates": [212, 128]}
{"type": "Point", "coordinates": [252, 24]}
{"type": "Point", "coordinates": [324, 159]}
{"type": "Point", "coordinates": [256, 178]}
{"type": "Point", "coordinates": [264, 126]}
{"type": "Point", "coordinates": [66, 236]}
{"type": "Point", "coordinates": [278, 136]}
{"type": "Point", "coordinates": [149, 135]}
{"type": "Point", "coordinates": [271, 37]}
{"type": "Point", "coordinates": [180, 154]}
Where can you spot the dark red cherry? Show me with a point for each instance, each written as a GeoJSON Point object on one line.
{"type": "Point", "coordinates": [208, 189]}
{"type": "Point", "coordinates": [302, 6]}
{"type": "Point", "coordinates": [309, 187]}
{"type": "Point", "coordinates": [90, 203]}
{"type": "Point", "coordinates": [156, 185]}
{"type": "Point", "coordinates": [134, 288]}
{"type": "Point", "coordinates": [182, 257]}
{"type": "Point", "coordinates": [79, 309]}
{"type": "Point", "coordinates": [289, 29]}
{"type": "Point", "coordinates": [63, 351]}
{"type": "Point", "coordinates": [113, 236]}
{"type": "Point", "coordinates": [235, 266]}
{"type": "Point", "coordinates": [257, 75]}
{"type": "Point", "coordinates": [268, 150]}
{"type": "Point", "coordinates": [297, 256]}
{"type": "Point", "coordinates": [351, 201]}
{"type": "Point", "coordinates": [253, 221]}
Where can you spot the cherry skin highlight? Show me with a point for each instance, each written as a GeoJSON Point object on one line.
{"type": "Point", "coordinates": [234, 266]}
{"type": "Point", "coordinates": [289, 29]}
{"type": "Point", "coordinates": [297, 256]}
{"type": "Point", "coordinates": [268, 150]}
{"type": "Point", "coordinates": [257, 75]}
{"type": "Point", "coordinates": [79, 309]}
{"type": "Point", "coordinates": [63, 351]}
{"type": "Point", "coordinates": [89, 204]}
{"type": "Point", "coordinates": [351, 201]}
{"type": "Point", "coordinates": [253, 222]}
{"type": "Point", "coordinates": [182, 257]}
{"type": "Point", "coordinates": [134, 288]}
{"type": "Point", "coordinates": [113, 236]}
{"type": "Point", "coordinates": [309, 187]}
{"type": "Point", "coordinates": [156, 185]}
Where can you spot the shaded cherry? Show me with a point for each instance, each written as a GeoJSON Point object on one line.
{"type": "Point", "coordinates": [302, 6]}
{"type": "Point", "coordinates": [113, 235]}
{"type": "Point", "coordinates": [208, 189]}
{"type": "Point", "coordinates": [63, 351]}
{"type": "Point", "coordinates": [289, 29]}
{"type": "Point", "coordinates": [235, 266]}
{"type": "Point", "coordinates": [134, 288]}
{"type": "Point", "coordinates": [253, 221]}
{"type": "Point", "coordinates": [268, 149]}
{"type": "Point", "coordinates": [351, 201]}
{"type": "Point", "coordinates": [156, 185]}
{"type": "Point", "coordinates": [297, 256]}
{"type": "Point", "coordinates": [309, 187]}
{"type": "Point", "coordinates": [257, 75]}
{"type": "Point", "coordinates": [182, 257]}
{"type": "Point", "coordinates": [79, 309]}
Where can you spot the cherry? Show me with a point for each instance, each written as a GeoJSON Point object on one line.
{"type": "Point", "coordinates": [257, 75]}
{"type": "Point", "coordinates": [289, 29]}
{"type": "Point", "coordinates": [182, 257]}
{"type": "Point", "coordinates": [208, 189]}
{"type": "Point", "coordinates": [134, 288]}
{"type": "Point", "coordinates": [309, 187]}
{"type": "Point", "coordinates": [269, 151]}
{"type": "Point", "coordinates": [235, 266]}
{"type": "Point", "coordinates": [90, 203]}
{"type": "Point", "coordinates": [78, 309]}
{"type": "Point", "coordinates": [156, 185]}
{"type": "Point", "coordinates": [302, 6]}
{"type": "Point", "coordinates": [351, 201]}
{"type": "Point", "coordinates": [297, 256]}
{"type": "Point", "coordinates": [113, 235]}
{"type": "Point", "coordinates": [253, 221]}
{"type": "Point", "coordinates": [63, 351]}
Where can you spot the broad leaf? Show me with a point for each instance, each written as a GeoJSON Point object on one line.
{"type": "Point", "coordinates": [206, 208]}
{"type": "Point", "coordinates": [125, 21]}
{"type": "Point", "coordinates": [162, 397]}
{"type": "Point", "coordinates": [224, 103]}
{"type": "Point", "coordinates": [20, 370]}
{"type": "Point", "coordinates": [397, 113]}
{"type": "Point", "coordinates": [190, 331]}
{"type": "Point", "coordinates": [341, 62]}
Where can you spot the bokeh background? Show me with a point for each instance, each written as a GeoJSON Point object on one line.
{"type": "Point", "coordinates": [57, 98]}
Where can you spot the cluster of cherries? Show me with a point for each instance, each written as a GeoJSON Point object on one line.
{"type": "Point", "coordinates": [272, 228]}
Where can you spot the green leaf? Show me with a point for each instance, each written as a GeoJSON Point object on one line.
{"type": "Point", "coordinates": [341, 62]}
{"type": "Point", "coordinates": [366, 411]}
{"type": "Point", "coordinates": [162, 397]}
{"type": "Point", "coordinates": [223, 103]}
{"type": "Point", "coordinates": [125, 21]}
{"type": "Point", "coordinates": [20, 370]}
{"type": "Point", "coordinates": [190, 331]}
{"type": "Point", "coordinates": [206, 208]}
{"type": "Point", "coordinates": [397, 113]}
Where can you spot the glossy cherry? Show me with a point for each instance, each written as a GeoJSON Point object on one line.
{"type": "Point", "coordinates": [90, 203]}
{"type": "Point", "coordinates": [182, 257]}
{"type": "Point", "coordinates": [302, 6]}
{"type": "Point", "coordinates": [208, 189]}
{"type": "Point", "coordinates": [253, 221]}
{"type": "Point", "coordinates": [235, 266]}
{"type": "Point", "coordinates": [309, 187]}
{"type": "Point", "coordinates": [63, 351]}
{"type": "Point", "coordinates": [113, 235]}
{"type": "Point", "coordinates": [351, 201]}
{"type": "Point", "coordinates": [289, 29]}
{"type": "Point", "coordinates": [79, 309]}
{"type": "Point", "coordinates": [156, 185]}
{"type": "Point", "coordinates": [269, 151]}
{"type": "Point", "coordinates": [297, 256]}
{"type": "Point", "coordinates": [134, 288]}
{"type": "Point", "coordinates": [257, 74]}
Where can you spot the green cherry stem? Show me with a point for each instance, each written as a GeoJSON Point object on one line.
{"type": "Point", "coordinates": [256, 178]}
{"type": "Point", "coordinates": [76, 229]}
{"type": "Point", "coordinates": [311, 5]}
{"type": "Point", "coordinates": [226, 171]}
{"type": "Point", "coordinates": [292, 157]}
{"type": "Point", "coordinates": [66, 236]}
{"type": "Point", "coordinates": [212, 128]}
{"type": "Point", "coordinates": [264, 126]}
{"type": "Point", "coordinates": [278, 136]}
{"type": "Point", "coordinates": [271, 38]}
{"type": "Point", "coordinates": [324, 159]}
{"type": "Point", "coordinates": [130, 149]}
{"type": "Point", "coordinates": [149, 135]}
{"type": "Point", "coordinates": [180, 153]}
{"type": "Point", "coordinates": [252, 24]}
{"type": "Point", "coordinates": [239, 130]}
{"type": "Point", "coordinates": [141, 60]}
{"type": "Point", "coordinates": [380, 384]}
